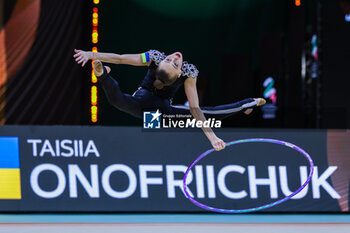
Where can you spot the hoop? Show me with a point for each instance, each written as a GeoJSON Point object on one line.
{"type": "Point", "coordinates": [210, 208]}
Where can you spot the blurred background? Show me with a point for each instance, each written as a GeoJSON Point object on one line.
{"type": "Point", "coordinates": [294, 53]}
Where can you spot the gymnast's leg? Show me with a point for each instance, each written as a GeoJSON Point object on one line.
{"type": "Point", "coordinates": [223, 111]}
{"type": "Point", "coordinates": [115, 96]}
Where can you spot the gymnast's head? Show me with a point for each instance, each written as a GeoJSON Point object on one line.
{"type": "Point", "coordinates": [169, 70]}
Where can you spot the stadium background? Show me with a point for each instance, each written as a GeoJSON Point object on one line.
{"type": "Point", "coordinates": [236, 45]}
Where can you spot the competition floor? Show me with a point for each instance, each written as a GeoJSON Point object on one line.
{"type": "Point", "coordinates": [171, 223]}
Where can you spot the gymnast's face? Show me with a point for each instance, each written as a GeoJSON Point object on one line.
{"type": "Point", "coordinates": [172, 64]}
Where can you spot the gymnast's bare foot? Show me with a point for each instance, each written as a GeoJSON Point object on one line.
{"type": "Point", "coordinates": [248, 111]}
{"type": "Point", "coordinates": [259, 102]}
{"type": "Point", "coordinates": [98, 68]}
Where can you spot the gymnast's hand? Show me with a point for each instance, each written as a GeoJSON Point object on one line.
{"type": "Point", "coordinates": [82, 56]}
{"type": "Point", "coordinates": [218, 144]}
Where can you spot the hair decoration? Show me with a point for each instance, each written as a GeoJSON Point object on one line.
{"type": "Point", "coordinates": [188, 70]}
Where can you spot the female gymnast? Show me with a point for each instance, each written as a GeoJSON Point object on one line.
{"type": "Point", "coordinates": [164, 77]}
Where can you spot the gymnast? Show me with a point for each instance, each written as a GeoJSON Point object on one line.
{"type": "Point", "coordinates": [165, 75]}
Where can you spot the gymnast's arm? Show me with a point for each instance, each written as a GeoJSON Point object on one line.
{"type": "Point", "coordinates": [192, 97]}
{"type": "Point", "coordinates": [128, 59]}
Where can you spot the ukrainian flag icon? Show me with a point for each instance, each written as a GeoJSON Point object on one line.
{"type": "Point", "coordinates": [10, 179]}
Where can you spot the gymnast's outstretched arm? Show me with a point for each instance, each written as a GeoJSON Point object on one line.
{"type": "Point", "coordinates": [192, 96]}
{"type": "Point", "coordinates": [127, 59]}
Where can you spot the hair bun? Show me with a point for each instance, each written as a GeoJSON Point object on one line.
{"type": "Point", "coordinates": [158, 84]}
